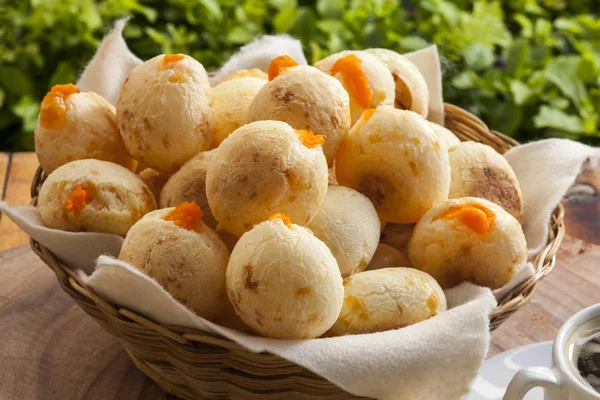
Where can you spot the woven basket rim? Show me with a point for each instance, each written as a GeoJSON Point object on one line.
{"type": "Point", "coordinates": [466, 126]}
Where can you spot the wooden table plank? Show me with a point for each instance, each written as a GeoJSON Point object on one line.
{"type": "Point", "coordinates": [20, 173]}
{"type": "Point", "coordinates": [4, 161]}
{"type": "Point", "coordinates": [50, 348]}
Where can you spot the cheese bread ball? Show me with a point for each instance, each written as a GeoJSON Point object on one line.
{"type": "Point", "coordinates": [306, 98]}
{"type": "Point", "coordinates": [480, 171]}
{"type": "Point", "coordinates": [348, 224]}
{"type": "Point", "coordinates": [411, 88]}
{"type": "Point", "coordinates": [395, 159]}
{"type": "Point", "coordinates": [367, 80]}
{"type": "Point", "coordinates": [76, 126]}
{"type": "Point", "coordinates": [189, 184]}
{"type": "Point", "coordinates": [446, 135]}
{"type": "Point", "coordinates": [187, 258]}
{"type": "Point", "coordinates": [164, 111]}
{"type": "Point", "coordinates": [398, 236]}
{"type": "Point", "coordinates": [232, 100]}
{"type": "Point", "coordinates": [263, 168]}
{"type": "Point", "coordinates": [468, 240]}
{"type": "Point", "coordinates": [247, 73]}
{"type": "Point", "coordinates": [155, 180]}
{"type": "Point", "coordinates": [94, 196]}
{"type": "Point", "coordinates": [387, 257]}
{"type": "Point", "coordinates": [385, 299]}
{"type": "Point", "coordinates": [283, 281]}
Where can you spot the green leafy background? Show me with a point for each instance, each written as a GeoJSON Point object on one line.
{"type": "Point", "coordinates": [529, 68]}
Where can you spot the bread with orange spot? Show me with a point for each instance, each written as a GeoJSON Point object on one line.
{"type": "Point", "coordinates": [308, 99]}
{"type": "Point", "coordinates": [262, 168]}
{"type": "Point", "coordinates": [94, 196]}
{"type": "Point", "coordinates": [394, 158]}
{"type": "Point", "coordinates": [411, 88]}
{"type": "Point", "coordinates": [348, 224]}
{"type": "Point", "coordinates": [468, 240]}
{"type": "Point", "coordinates": [283, 281]}
{"type": "Point", "coordinates": [367, 80]}
{"type": "Point", "coordinates": [76, 126]}
{"type": "Point", "coordinates": [388, 298]}
{"type": "Point", "coordinates": [232, 99]}
{"type": "Point", "coordinates": [189, 184]}
{"type": "Point", "coordinates": [164, 111]}
{"type": "Point", "coordinates": [480, 171]}
{"type": "Point", "coordinates": [187, 258]}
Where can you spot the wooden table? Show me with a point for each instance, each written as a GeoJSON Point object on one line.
{"type": "Point", "coordinates": [49, 348]}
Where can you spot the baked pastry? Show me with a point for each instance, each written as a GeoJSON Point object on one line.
{"type": "Point", "coordinates": [366, 79]}
{"type": "Point", "coordinates": [155, 180]}
{"type": "Point", "coordinates": [189, 185]}
{"type": "Point", "coordinates": [263, 168]}
{"type": "Point", "coordinates": [94, 196]}
{"type": "Point", "coordinates": [283, 281]}
{"type": "Point", "coordinates": [468, 240]}
{"type": "Point", "coordinates": [446, 135]}
{"type": "Point", "coordinates": [411, 88]}
{"type": "Point", "coordinates": [76, 126]}
{"type": "Point", "coordinates": [232, 100]}
{"type": "Point", "coordinates": [348, 224]}
{"type": "Point", "coordinates": [247, 73]}
{"type": "Point", "coordinates": [306, 98]}
{"type": "Point", "coordinates": [187, 258]}
{"type": "Point", "coordinates": [395, 159]}
{"type": "Point", "coordinates": [164, 111]}
{"type": "Point", "coordinates": [388, 298]}
{"type": "Point", "coordinates": [387, 257]}
{"type": "Point", "coordinates": [480, 171]}
{"type": "Point", "coordinates": [398, 236]}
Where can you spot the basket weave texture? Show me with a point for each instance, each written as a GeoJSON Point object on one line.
{"type": "Point", "coordinates": [193, 364]}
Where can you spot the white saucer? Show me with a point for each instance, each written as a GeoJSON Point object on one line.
{"type": "Point", "coordinates": [497, 372]}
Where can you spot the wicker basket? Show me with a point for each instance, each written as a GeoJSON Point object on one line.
{"type": "Point", "coordinates": [193, 364]}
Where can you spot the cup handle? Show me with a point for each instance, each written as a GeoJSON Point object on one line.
{"type": "Point", "coordinates": [529, 378]}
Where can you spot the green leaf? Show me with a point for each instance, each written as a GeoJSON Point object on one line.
{"type": "Point", "coordinates": [516, 57]}
{"type": "Point", "coordinates": [27, 109]}
{"type": "Point", "coordinates": [588, 69]}
{"type": "Point", "coordinates": [562, 72]}
{"type": "Point", "coordinates": [526, 25]}
{"type": "Point", "coordinates": [479, 56]}
{"type": "Point", "coordinates": [465, 80]}
{"type": "Point", "coordinates": [331, 8]}
{"type": "Point", "coordinates": [240, 35]}
{"type": "Point", "coordinates": [2, 97]}
{"type": "Point", "coordinates": [549, 117]}
{"type": "Point", "coordinates": [64, 73]}
{"type": "Point", "coordinates": [283, 4]}
{"type": "Point", "coordinates": [16, 81]}
{"type": "Point", "coordinates": [412, 43]}
{"type": "Point", "coordinates": [285, 20]}
{"type": "Point", "coordinates": [520, 91]}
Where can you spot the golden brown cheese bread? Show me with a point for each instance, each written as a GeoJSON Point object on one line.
{"type": "Point", "coordinates": [164, 111]}
{"type": "Point", "coordinates": [367, 80]}
{"type": "Point", "coordinates": [468, 240]}
{"type": "Point", "coordinates": [348, 224]}
{"type": "Point", "coordinates": [94, 196]}
{"type": "Point", "coordinates": [263, 168]}
{"type": "Point", "coordinates": [480, 171]}
{"type": "Point", "coordinates": [76, 126]}
{"type": "Point", "coordinates": [187, 258]}
{"type": "Point", "coordinates": [394, 158]}
{"type": "Point", "coordinates": [306, 98]}
{"type": "Point", "coordinates": [283, 281]}
{"type": "Point", "coordinates": [389, 298]}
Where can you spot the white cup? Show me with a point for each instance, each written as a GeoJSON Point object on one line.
{"type": "Point", "coordinates": [561, 382]}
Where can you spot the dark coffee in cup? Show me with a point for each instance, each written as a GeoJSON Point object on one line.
{"type": "Point", "coordinates": [583, 353]}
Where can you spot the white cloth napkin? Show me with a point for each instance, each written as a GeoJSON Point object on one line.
{"type": "Point", "coordinates": [434, 359]}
